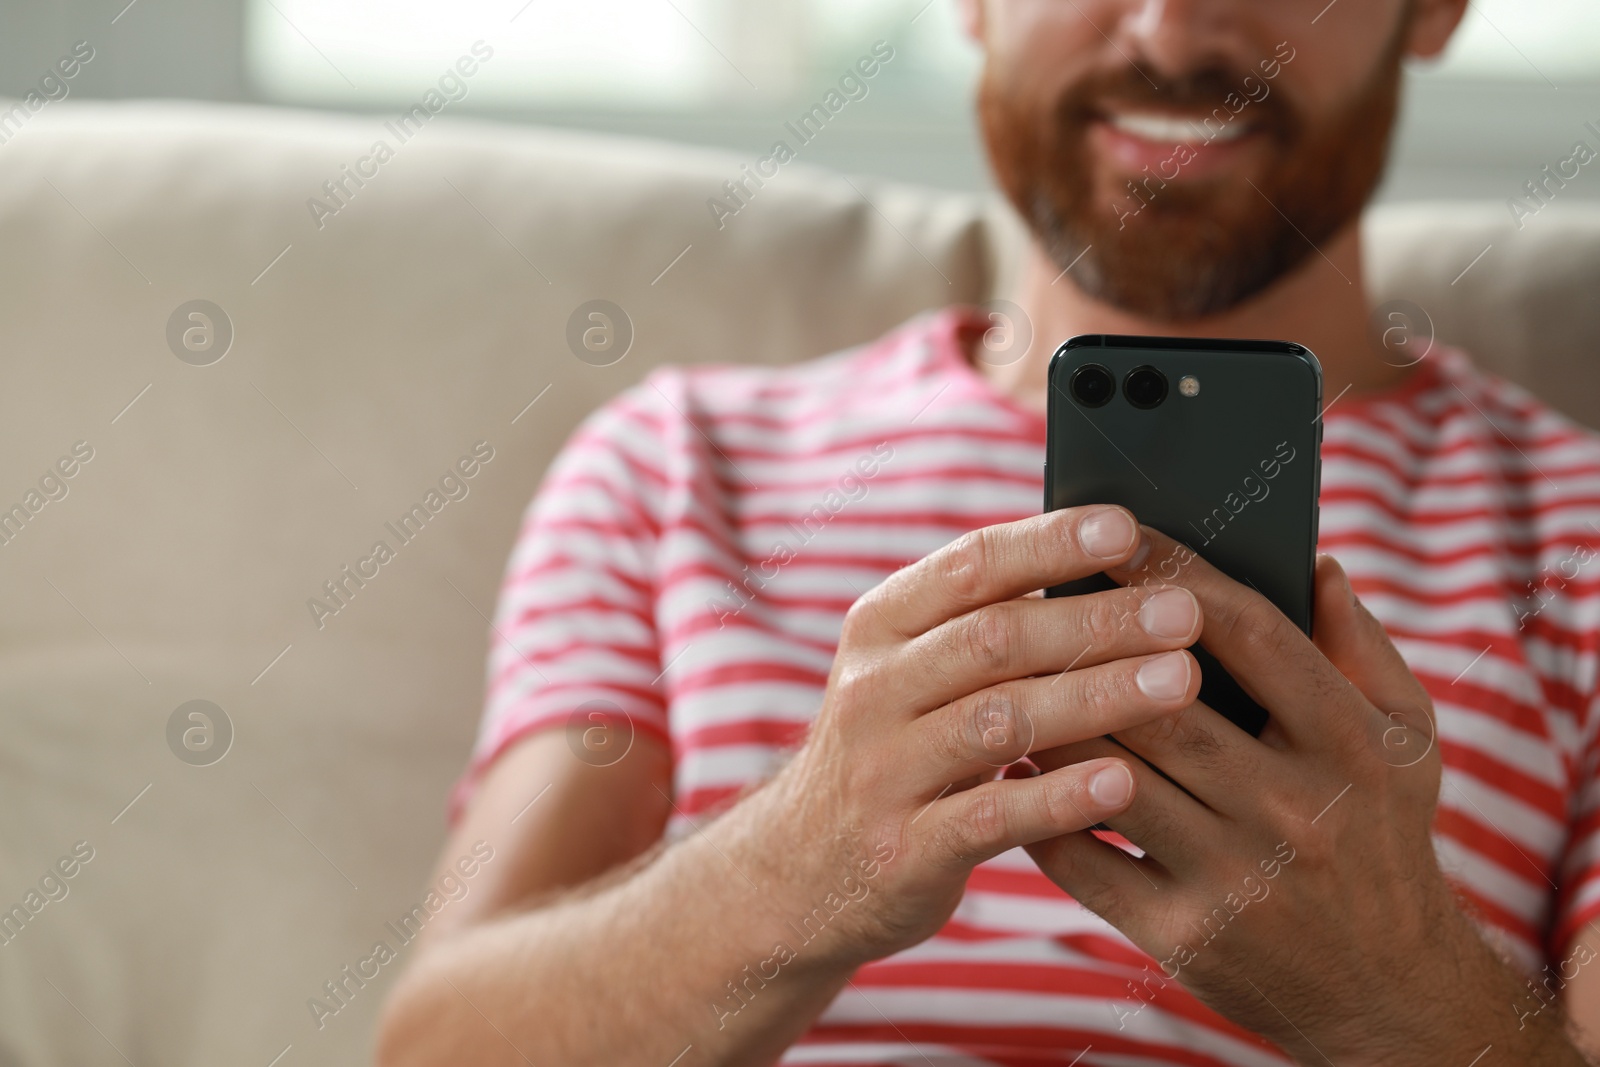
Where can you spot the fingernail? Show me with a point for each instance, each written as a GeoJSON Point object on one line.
{"type": "Point", "coordinates": [1164, 678]}
{"type": "Point", "coordinates": [1140, 554]}
{"type": "Point", "coordinates": [1107, 534]}
{"type": "Point", "coordinates": [1111, 787]}
{"type": "Point", "coordinates": [1170, 613]}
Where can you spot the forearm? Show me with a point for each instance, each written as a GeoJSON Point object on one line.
{"type": "Point", "coordinates": [679, 954]}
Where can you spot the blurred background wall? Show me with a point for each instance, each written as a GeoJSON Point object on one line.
{"type": "Point", "coordinates": [1515, 92]}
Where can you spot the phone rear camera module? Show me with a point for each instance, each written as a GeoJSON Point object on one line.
{"type": "Point", "coordinates": [1092, 385]}
{"type": "Point", "coordinates": [1145, 387]}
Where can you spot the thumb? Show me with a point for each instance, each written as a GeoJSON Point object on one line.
{"type": "Point", "coordinates": [1356, 643]}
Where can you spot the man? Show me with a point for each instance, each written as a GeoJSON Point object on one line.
{"type": "Point", "coordinates": [746, 802]}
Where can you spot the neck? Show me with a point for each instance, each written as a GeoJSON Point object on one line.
{"type": "Point", "coordinates": [1321, 305]}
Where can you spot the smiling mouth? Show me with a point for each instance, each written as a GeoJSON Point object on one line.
{"type": "Point", "coordinates": [1167, 128]}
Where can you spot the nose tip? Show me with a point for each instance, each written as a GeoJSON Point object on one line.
{"type": "Point", "coordinates": [1148, 17]}
{"type": "Point", "coordinates": [1171, 37]}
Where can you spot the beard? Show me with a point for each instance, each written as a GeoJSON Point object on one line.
{"type": "Point", "coordinates": [1199, 246]}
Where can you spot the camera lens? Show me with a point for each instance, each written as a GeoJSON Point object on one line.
{"type": "Point", "coordinates": [1092, 385]}
{"type": "Point", "coordinates": [1145, 387]}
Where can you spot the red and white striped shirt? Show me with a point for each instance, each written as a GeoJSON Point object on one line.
{"type": "Point", "coordinates": [693, 549]}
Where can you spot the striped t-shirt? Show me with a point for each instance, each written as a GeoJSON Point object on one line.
{"type": "Point", "coordinates": [693, 549]}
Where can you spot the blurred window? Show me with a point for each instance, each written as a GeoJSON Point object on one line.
{"type": "Point", "coordinates": [624, 54]}
{"type": "Point", "coordinates": [1552, 40]}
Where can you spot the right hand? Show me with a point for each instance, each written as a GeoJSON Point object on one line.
{"type": "Point", "coordinates": [947, 672]}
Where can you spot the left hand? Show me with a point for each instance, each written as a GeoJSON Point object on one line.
{"type": "Point", "coordinates": [1290, 883]}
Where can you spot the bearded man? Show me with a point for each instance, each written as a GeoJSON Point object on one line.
{"type": "Point", "coordinates": [854, 822]}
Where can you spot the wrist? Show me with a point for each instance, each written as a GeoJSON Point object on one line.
{"type": "Point", "coordinates": [1400, 1019]}
{"type": "Point", "coordinates": [802, 876]}
{"type": "Point", "coordinates": [1481, 1011]}
{"type": "Point", "coordinates": [710, 907]}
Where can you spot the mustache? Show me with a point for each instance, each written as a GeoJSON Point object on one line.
{"type": "Point", "coordinates": [1206, 91]}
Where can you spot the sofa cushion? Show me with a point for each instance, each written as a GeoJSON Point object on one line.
{"type": "Point", "coordinates": [213, 500]}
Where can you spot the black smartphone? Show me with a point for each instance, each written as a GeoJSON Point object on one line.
{"type": "Point", "coordinates": [1216, 443]}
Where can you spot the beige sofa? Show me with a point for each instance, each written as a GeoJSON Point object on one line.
{"type": "Point", "coordinates": [210, 499]}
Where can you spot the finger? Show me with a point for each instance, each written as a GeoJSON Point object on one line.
{"type": "Point", "coordinates": [992, 564]}
{"type": "Point", "coordinates": [964, 784]}
{"type": "Point", "coordinates": [1356, 643]}
{"type": "Point", "coordinates": [997, 726]}
{"type": "Point", "coordinates": [1213, 761]}
{"type": "Point", "coordinates": [1173, 828]}
{"type": "Point", "coordinates": [964, 829]}
{"type": "Point", "coordinates": [1021, 638]}
{"type": "Point", "coordinates": [1102, 877]}
{"type": "Point", "coordinates": [1271, 659]}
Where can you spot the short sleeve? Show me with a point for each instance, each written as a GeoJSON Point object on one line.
{"type": "Point", "coordinates": [575, 619]}
{"type": "Point", "coordinates": [1578, 898]}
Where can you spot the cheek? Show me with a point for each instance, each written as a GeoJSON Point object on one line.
{"type": "Point", "coordinates": [1321, 74]}
{"type": "Point", "coordinates": [1043, 46]}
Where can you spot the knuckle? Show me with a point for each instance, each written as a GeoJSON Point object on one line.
{"type": "Point", "coordinates": [1097, 694]}
{"type": "Point", "coordinates": [987, 639]}
{"type": "Point", "coordinates": [996, 728]}
{"type": "Point", "coordinates": [1105, 899]}
{"type": "Point", "coordinates": [1102, 896]}
{"type": "Point", "coordinates": [1059, 803]}
{"type": "Point", "coordinates": [1103, 618]}
{"type": "Point", "coordinates": [951, 732]}
{"type": "Point", "coordinates": [970, 834]}
{"type": "Point", "coordinates": [1199, 744]}
{"type": "Point", "coordinates": [851, 685]}
{"type": "Point", "coordinates": [1259, 629]}
{"type": "Point", "coordinates": [1162, 732]}
{"type": "Point", "coordinates": [856, 626]}
{"type": "Point", "coordinates": [1182, 731]}
{"type": "Point", "coordinates": [1315, 851]}
{"type": "Point", "coordinates": [965, 563]}
{"type": "Point", "coordinates": [1400, 738]}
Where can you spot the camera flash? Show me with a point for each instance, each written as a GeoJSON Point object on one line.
{"type": "Point", "coordinates": [1189, 385]}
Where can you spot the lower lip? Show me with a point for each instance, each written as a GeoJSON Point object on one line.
{"type": "Point", "coordinates": [1167, 158]}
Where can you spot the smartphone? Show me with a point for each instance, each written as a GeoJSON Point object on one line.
{"type": "Point", "coordinates": [1216, 443]}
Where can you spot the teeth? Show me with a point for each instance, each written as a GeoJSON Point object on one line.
{"type": "Point", "coordinates": [1167, 129]}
